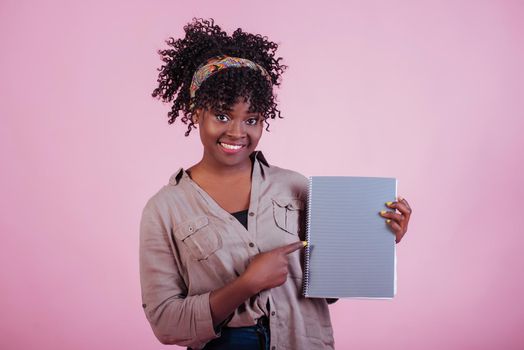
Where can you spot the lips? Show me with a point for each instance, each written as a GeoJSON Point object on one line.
{"type": "Point", "coordinates": [231, 147]}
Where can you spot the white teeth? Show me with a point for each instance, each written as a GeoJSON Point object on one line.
{"type": "Point", "coordinates": [225, 145]}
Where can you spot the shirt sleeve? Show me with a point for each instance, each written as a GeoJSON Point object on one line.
{"type": "Point", "coordinates": [175, 317]}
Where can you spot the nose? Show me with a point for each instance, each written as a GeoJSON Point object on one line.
{"type": "Point", "coordinates": [236, 129]}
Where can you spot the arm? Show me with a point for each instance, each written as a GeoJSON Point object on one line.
{"type": "Point", "coordinates": [174, 317]}
{"type": "Point", "coordinates": [267, 270]}
{"type": "Point", "coordinates": [224, 301]}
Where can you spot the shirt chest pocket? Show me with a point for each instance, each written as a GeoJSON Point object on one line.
{"type": "Point", "coordinates": [199, 237]}
{"type": "Point", "coordinates": [286, 212]}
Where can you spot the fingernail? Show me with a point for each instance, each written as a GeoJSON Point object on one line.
{"type": "Point", "coordinates": [304, 243]}
{"type": "Point", "coordinates": [389, 203]}
{"type": "Point", "coordinates": [382, 212]}
{"type": "Point", "coordinates": [388, 221]}
{"type": "Point", "coordinates": [399, 198]}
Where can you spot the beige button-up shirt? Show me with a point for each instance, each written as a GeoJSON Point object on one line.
{"type": "Point", "coordinates": [190, 246]}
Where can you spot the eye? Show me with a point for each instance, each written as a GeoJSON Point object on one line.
{"type": "Point", "coordinates": [252, 121]}
{"type": "Point", "coordinates": [222, 118]}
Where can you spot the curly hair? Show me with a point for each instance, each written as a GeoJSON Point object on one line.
{"type": "Point", "coordinates": [204, 40]}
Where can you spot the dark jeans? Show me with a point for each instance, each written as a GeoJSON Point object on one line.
{"type": "Point", "coordinates": [242, 338]}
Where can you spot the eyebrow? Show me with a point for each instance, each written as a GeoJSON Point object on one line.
{"type": "Point", "coordinates": [249, 115]}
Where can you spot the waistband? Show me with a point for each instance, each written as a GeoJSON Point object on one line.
{"type": "Point", "coordinates": [261, 322]}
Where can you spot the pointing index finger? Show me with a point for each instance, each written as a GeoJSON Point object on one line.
{"type": "Point", "coordinates": [290, 248]}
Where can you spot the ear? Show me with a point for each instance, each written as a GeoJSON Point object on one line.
{"type": "Point", "coordinates": [196, 116]}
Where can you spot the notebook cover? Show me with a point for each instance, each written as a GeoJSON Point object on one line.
{"type": "Point", "coordinates": [351, 250]}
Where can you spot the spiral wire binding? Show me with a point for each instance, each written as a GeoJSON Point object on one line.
{"type": "Point", "coordinates": [305, 282]}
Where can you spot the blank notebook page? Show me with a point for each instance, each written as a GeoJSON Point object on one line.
{"type": "Point", "coordinates": [351, 250]}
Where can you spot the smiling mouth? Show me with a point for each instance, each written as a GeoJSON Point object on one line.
{"type": "Point", "coordinates": [230, 146]}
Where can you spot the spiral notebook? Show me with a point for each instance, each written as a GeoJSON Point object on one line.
{"type": "Point", "coordinates": [351, 250]}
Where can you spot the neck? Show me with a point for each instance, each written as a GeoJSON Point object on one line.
{"type": "Point", "coordinates": [214, 169]}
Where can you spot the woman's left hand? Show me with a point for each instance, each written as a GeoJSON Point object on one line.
{"type": "Point", "coordinates": [398, 222]}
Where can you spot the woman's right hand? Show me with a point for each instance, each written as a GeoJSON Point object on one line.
{"type": "Point", "coordinates": [268, 270]}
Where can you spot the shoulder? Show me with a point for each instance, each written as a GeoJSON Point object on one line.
{"type": "Point", "coordinates": [156, 204]}
{"type": "Point", "coordinates": [287, 179]}
{"type": "Point", "coordinates": [166, 196]}
{"type": "Point", "coordinates": [287, 174]}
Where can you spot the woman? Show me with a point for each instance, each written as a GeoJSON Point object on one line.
{"type": "Point", "coordinates": [220, 244]}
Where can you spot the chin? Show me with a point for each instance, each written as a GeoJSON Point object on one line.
{"type": "Point", "coordinates": [232, 158]}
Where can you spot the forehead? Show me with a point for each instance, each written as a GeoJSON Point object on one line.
{"type": "Point", "coordinates": [240, 108]}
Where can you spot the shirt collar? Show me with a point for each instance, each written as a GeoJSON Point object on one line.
{"type": "Point", "coordinates": [255, 156]}
{"type": "Point", "coordinates": [260, 157]}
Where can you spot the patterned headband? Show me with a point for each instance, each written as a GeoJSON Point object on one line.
{"type": "Point", "coordinates": [216, 64]}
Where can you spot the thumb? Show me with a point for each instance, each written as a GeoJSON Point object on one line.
{"type": "Point", "coordinates": [290, 248]}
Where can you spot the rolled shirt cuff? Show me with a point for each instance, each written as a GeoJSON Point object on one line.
{"type": "Point", "coordinates": [205, 330]}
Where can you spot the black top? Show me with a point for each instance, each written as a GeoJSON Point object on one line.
{"type": "Point", "coordinates": [241, 217]}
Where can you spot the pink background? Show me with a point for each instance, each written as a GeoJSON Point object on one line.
{"type": "Point", "coordinates": [430, 92]}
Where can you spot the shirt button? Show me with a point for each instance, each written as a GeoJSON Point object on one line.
{"type": "Point", "coordinates": [251, 244]}
{"type": "Point", "coordinates": [273, 313]}
{"type": "Point", "coordinates": [251, 214]}
{"type": "Point", "coordinates": [273, 347]}
{"type": "Point", "coordinates": [144, 305]}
